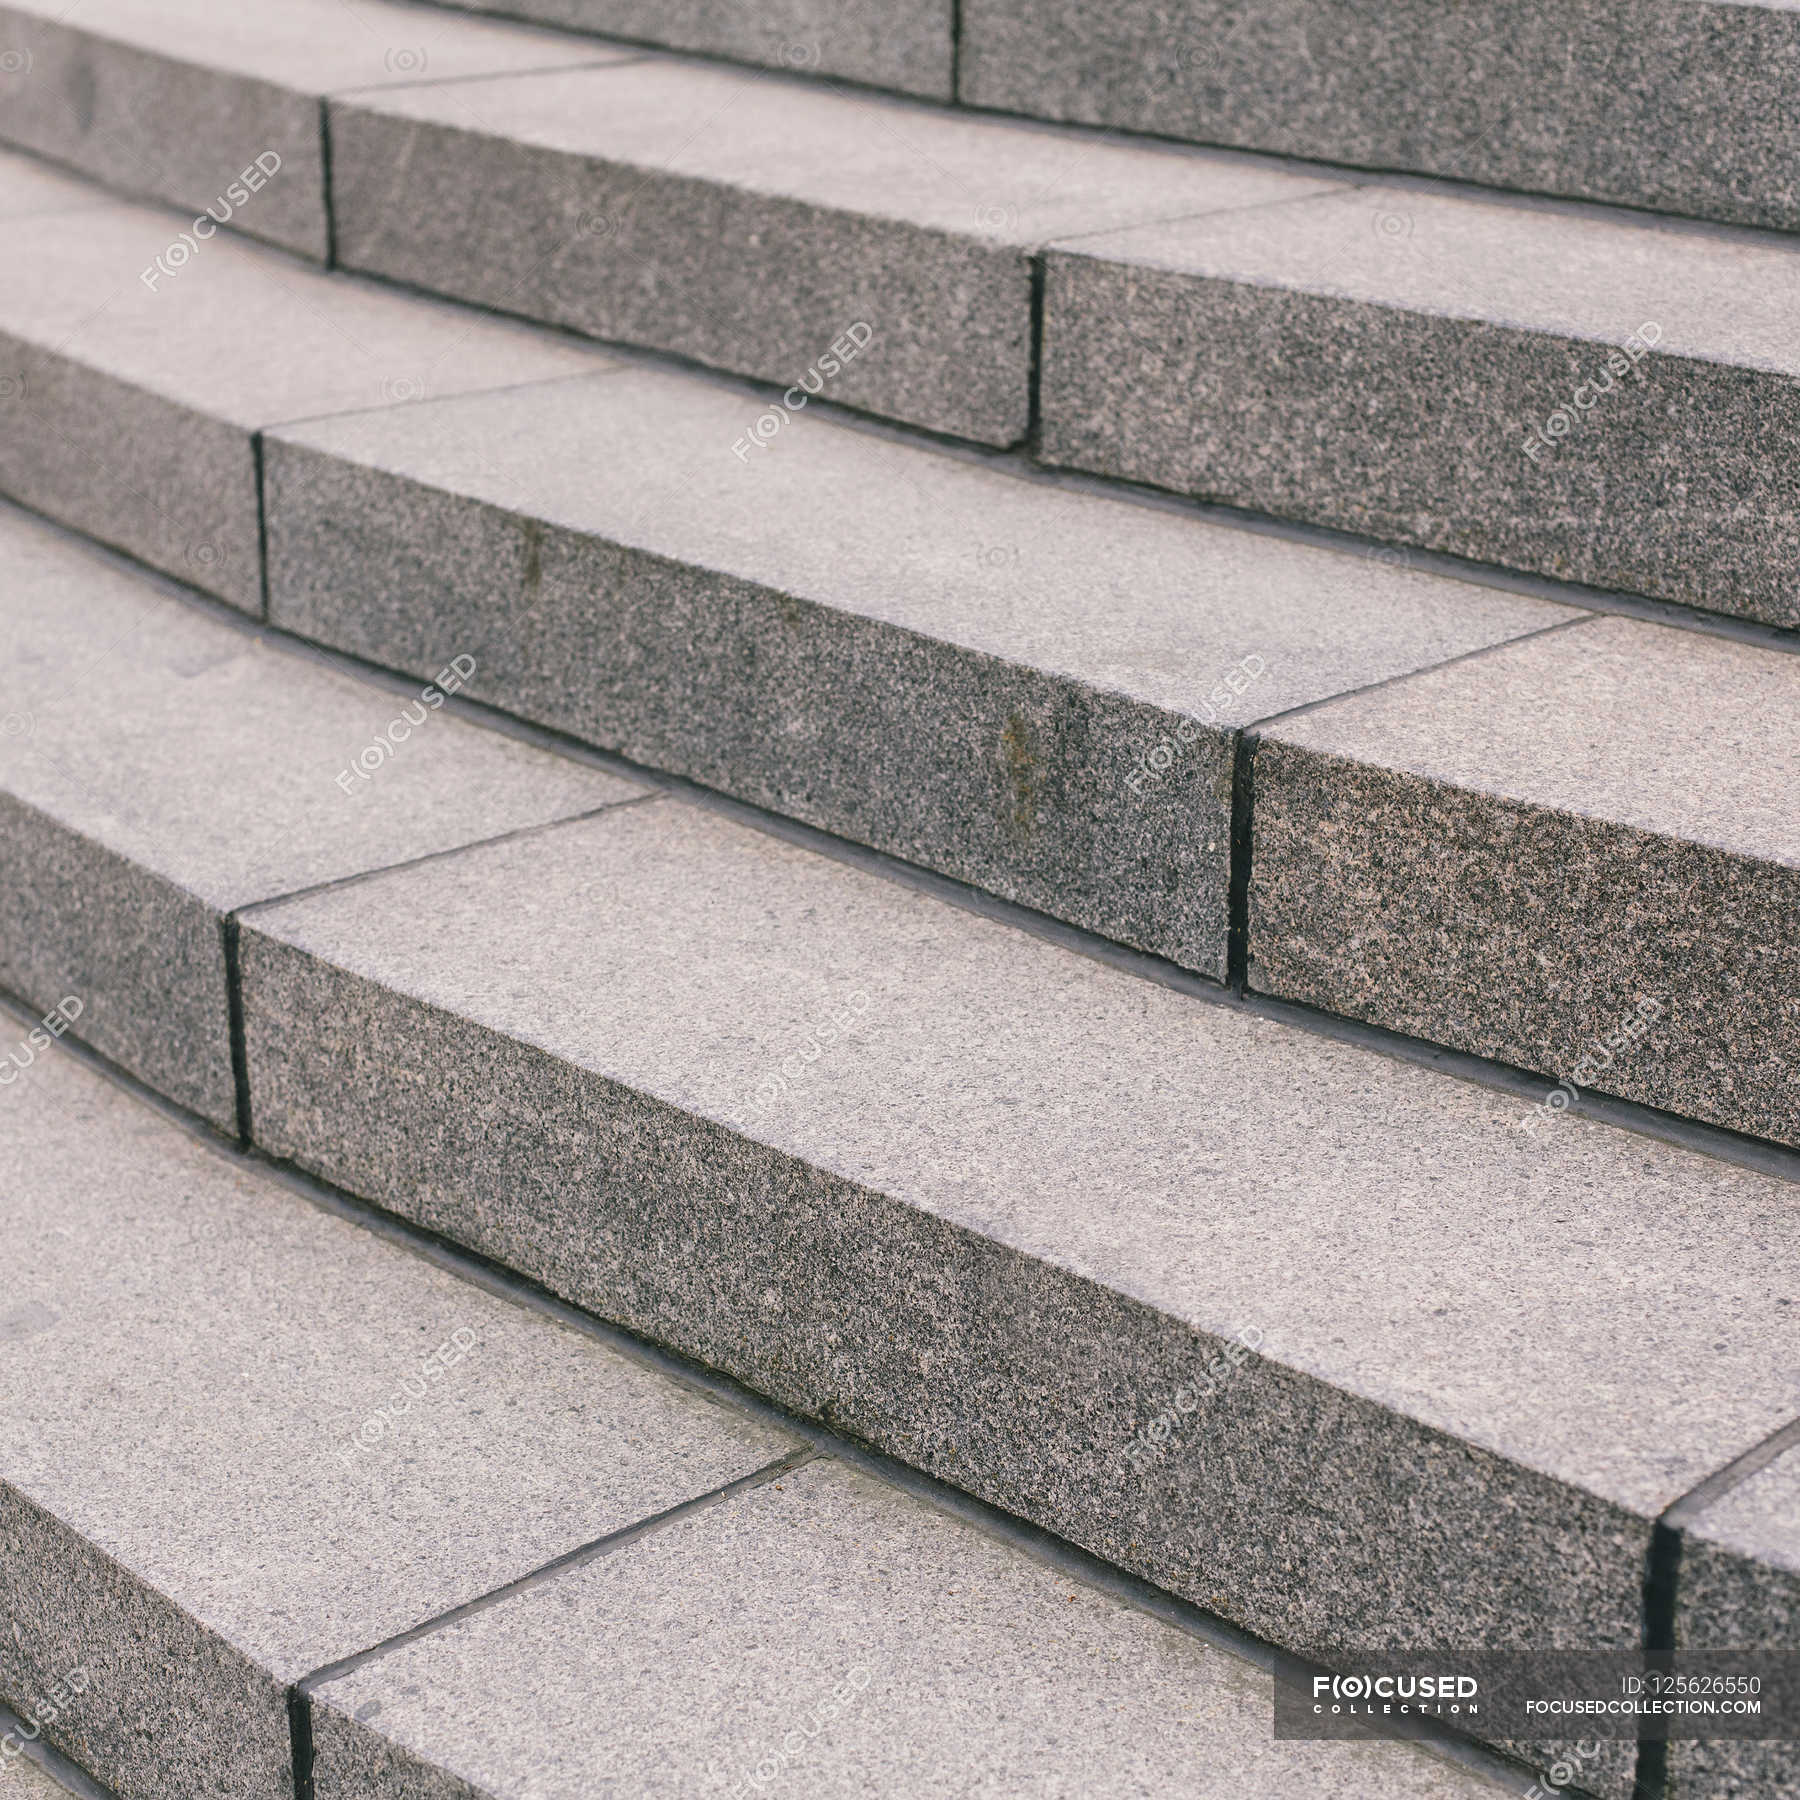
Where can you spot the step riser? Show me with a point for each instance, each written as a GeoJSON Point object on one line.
{"type": "Point", "coordinates": [164, 482]}
{"type": "Point", "coordinates": [1677, 482]}
{"type": "Point", "coordinates": [1669, 104]}
{"type": "Point", "coordinates": [900, 44]}
{"type": "Point", "coordinates": [160, 126]}
{"type": "Point", "coordinates": [757, 284]}
{"type": "Point", "coordinates": [145, 959]}
{"type": "Point", "coordinates": [1551, 935]}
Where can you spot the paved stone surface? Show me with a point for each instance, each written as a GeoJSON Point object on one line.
{"type": "Point", "coordinates": [28, 186]}
{"type": "Point", "coordinates": [1511, 854]}
{"type": "Point", "coordinates": [22, 1779]}
{"type": "Point", "coordinates": [826, 1633]}
{"type": "Point", "coordinates": [966, 669]}
{"type": "Point", "coordinates": [751, 223]}
{"type": "Point", "coordinates": [177, 100]}
{"type": "Point", "coordinates": [1466, 375]}
{"type": "Point", "coordinates": [129, 411]}
{"type": "Point", "coordinates": [160, 766]}
{"type": "Point", "coordinates": [238, 1448]}
{"type": "Point", "coordinates": [904, 44]}
{"type": "Point", "coordinates": [1671, 104]}
{"type": "Point", "coordinates": [1001, 1209]}
{"type": "Point", "coordinates": [1738, 1587]}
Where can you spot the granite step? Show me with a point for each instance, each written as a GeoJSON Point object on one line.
{"type": "Point", "coordinates": [162, 764]}
{"type": "Point", "coordinates": [1578, 854]}
{"type": "Point", "coordinates": [220, 109]}
{"type": "Point", "coordinates": [1031, 689]}
{"type": "Point", "coordinates": [130, 409]}
{"type": "Point", "coordinates": [1677, 105]}
{"type": "Point", "coordinates": [286, 1507]}
{"type": "Point", "coordinates": [1276, 1322]}
{"type": "Point", "coordinates": [906, 45]}
{"type": "Point", "coordinates": [878, 251]}
{"type": "Point", "coordinates": [1552, 390]}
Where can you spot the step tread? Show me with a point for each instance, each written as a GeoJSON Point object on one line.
{"type": "Point", "coordinates": [316, 47]}
{"type": "Point", "coordinates": [187, 1316]}
{"type": "Point", "coordinates": [980, 669]}
{"type": "Point", "coordinates": [839, 1625]}
{"type": "Point", "coordinates": [1669, 731]}
{"type": "Point", "coordinates": [28, 186]}
{"type": "Point", "coordinates": [1150, 1168]}
{"type": "Point", "coordinates": [165, 766]}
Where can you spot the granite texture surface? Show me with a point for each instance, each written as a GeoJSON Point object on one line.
{"type": "Point", "coordinates": [903, 44]}
{"type": "Point", "coordinates": [129, 409]}
{"type": "Point", "coordinates": [1033, 690]}
{"type": "Point", "coordinates": [185, 100]}
{"type": "Point", "coordinates": [1602, 402]}
{"type": "Point", "coordinates": [872, 248]}
{"type": "Point", "coordinates": [160, 767]}
{"type": "Point", "coordinates": [1523, 853]}
{"type": "Point", "coordinates": [1738, 1587]}
{"type": "Point", "coordinates": [1003, 1211]}
{"type": "Point", "coordinates": [246, 1439]}
{"type": "Point", "coordinates": [838, 1638]}
{"type": "Point", "coordinates": [1672, 104]}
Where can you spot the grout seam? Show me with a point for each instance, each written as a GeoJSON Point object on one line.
{"type": "Point", "coordinates": [234, 1012]}
{"type": "Point", "coordinates": [570, 1560]}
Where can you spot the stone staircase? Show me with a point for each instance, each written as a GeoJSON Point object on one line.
{"type": "Point", "coordinates": [1015, 902]}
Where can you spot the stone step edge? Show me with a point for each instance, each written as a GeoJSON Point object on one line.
{"type": "Point", "coordinates": [820, 1442]}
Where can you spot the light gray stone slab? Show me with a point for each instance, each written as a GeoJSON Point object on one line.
{"type": "Point", "coordinates": [22, 1778]}
{"type": "Point", "coordinates": [1511, 854]}
{"type": "Point", "coordinates": [1604, 402]}
{"type": "Point", "coordinates": [750, 222]}
{"type": "Point", "coordinates": [1001, 1210]}
{"type": "Point", "coordinates": [178, 99]}
{"type": "Point", "coordinates": [28, 186]}
{"type": "Point", "coordinates": [130, 409]}
{"type": "Point", "coordinates": [830, 1636]}
{"type": "Point", "coordinates": [962, 668]}
{"type": "Point", "coordinates": [246, 1440]}
{"type": "Point", "coordinates": [160, 767]}
{"type": "Point", "coordinates": [1679, 105]}
{"type": "Point", "coordinates": [904, 44]}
